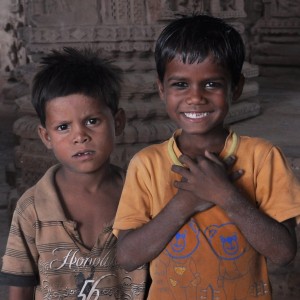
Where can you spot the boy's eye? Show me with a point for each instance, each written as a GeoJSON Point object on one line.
{"type": "Point", "coordinates": [213, 85]}
{"type": "Point", "coordinates": [62, 127]}
{"type": "Point", "coordinates": [180, 84]}
{"type": "Point", "coordinates": [91, 121]}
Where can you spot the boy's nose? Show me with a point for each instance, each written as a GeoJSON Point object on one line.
{"type": "Point", "coordinates": [196, 97]}
{"type": "Point", "coordinates": [80, 136]}
{"type": "Point", "coordinates": [79, 139]}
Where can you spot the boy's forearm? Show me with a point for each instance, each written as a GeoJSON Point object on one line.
{"type": "Point", "coordinates": [270, 238]}
{"type": "Point", "coordinates": [139, 246]}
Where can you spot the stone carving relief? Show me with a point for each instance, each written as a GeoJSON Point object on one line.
{"type": "Point", "coordinates": [66, 12]}
{"type": "Point", "coordinates": [227, 8]}
{"type": "Point", "coordinates": [285, 8]}
{"type": "Point", "coordinates": [278, 35]}
{"type": "Point", "coordinates": [121, 12]}
{"type": "Point", "coordinates": [12, 52]}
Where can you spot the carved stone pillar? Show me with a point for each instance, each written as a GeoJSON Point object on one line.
{"type": "Point", "coordinates": [124, 31]}
{"type": "Point", "coordinates": [277, 37]}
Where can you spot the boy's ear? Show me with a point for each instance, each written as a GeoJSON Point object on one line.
{"type": "Point", "coordinates": [160, 87]}
{"type": "Point", "coordinates": [120, 121]}
{"type": "Point", "coordinates": [44, 136]}
{"type": "Point", "coordinates": [238, 89]}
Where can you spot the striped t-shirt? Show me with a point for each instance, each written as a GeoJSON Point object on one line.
{"type": "Point", "coordinates": [45, 250]}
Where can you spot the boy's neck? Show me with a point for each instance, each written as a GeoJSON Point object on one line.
{"type": "Point", "coordinates": [90, 182]}
{"type": "Point", "coordinates": [194, 145]}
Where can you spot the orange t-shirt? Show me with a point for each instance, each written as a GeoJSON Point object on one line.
{"type": "Point", "coordinates": [209, 258]}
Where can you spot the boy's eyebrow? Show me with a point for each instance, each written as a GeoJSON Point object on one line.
{"type": "Point", "coordinates": [180, 77]}
{"type": "Point", "coordinates": [59, 122]}
{"type": "Point", "coordinates": [176, 78]}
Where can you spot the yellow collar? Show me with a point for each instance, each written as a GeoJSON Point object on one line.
{"type": "Point", "coordinates": [172, 142]}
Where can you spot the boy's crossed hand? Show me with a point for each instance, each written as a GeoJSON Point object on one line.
{"type": "Point", "coordinates": [206, 180]}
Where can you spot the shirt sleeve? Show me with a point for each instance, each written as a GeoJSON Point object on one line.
{"type": "Point", "coordinates": [135, 203]}
{"type": "Point", "coordinates": [19, 266]}
{"type": "Point", "coordinates": [278, 189]}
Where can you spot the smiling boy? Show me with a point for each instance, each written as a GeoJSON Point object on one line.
{"type": "Point", "coordinates": [61, 244]}
{"type": "Point", "coordinates": [206, 236]}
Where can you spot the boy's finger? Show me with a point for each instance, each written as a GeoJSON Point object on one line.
{"type": "Point", "coordinates": [213, 157]}
{"type": "Point", "coordinates": [180, 170]}
{"type": "Point", "coordinates": [236, 175]}
{"type": "Point", "coordinates": [181, 185]}
{"type": "Point", "coordinates": [229, 161]}
{"type": "Point", "coordinates": [184, 159]}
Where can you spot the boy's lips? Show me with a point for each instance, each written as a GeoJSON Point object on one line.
{"type": "Point", "coordinates": [83, 153]}
{"type": "Point", "coordinates": [196, 115]}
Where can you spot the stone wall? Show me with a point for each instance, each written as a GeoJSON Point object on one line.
{"type": "Point", "coordinates": [276, 38]}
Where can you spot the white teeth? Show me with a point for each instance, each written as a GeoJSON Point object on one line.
{"type": "Point", "coordinates": [196, 115]}
{"type": "Point", "coordinates": [85, 153]}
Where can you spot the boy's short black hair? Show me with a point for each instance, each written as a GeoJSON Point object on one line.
{"type": "Point", "coordinates": [193, 38]}
{"type": "Point", "coordinates": [75, 71]}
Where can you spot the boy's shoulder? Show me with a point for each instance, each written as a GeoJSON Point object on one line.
{"type": "Point", "coordinates": [255, 143]}
{"type": "Point", "coordinates": [25, 206]}
{"type": "Point", "coordinates": [152, 150]}
{"type": "Point", "coordinates": [37, 194]}
{"type": "Point", "coordinates": [258, 151]}
{"type": "Point", "coordinates": [150, 157]}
